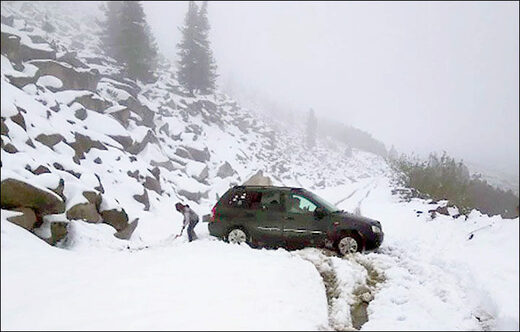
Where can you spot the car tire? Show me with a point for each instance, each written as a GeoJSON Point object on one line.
{"type": "Point", "coordinates": [237, 235]}
{"type": "Point", "coordinates": [348, 243]}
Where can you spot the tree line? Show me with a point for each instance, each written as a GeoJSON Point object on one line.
{"type": "Point", "coordinates": [126, 37]}
{"type": "Point", "coordinates": [444, 178]}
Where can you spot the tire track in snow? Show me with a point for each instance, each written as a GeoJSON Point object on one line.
{"type": "Point", "coordinates": [350, 283]}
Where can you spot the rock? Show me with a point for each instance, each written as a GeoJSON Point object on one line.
{"type": "Point", "coordinates": [49, 140]}
{"type": "Point", "coordinates": [92, 102]}
{"type": "Point", "coordinates": [138, 147]}
{"type": "Point", "coordinates": [41, 170]}
{"type": "Point", "coordinates": [19, 120]}
{"type": "Point", "coordinates": [27, 220]}
{"type": "Point", "coordinates": [125, 141]}
{"type": "Point", "coordinates": [198, 155]}
{"type": "Point", "coordinates": [115, 218]}
{"type": "Point", "coordinates": [10, 47]}
{"type": "Point", "coordinates": [203, 174]}
{"type": "Point", "coordinates": [93, 198]}
{"type": "Point", "coordinates": [225, 170]}
{"type": "Point", "coordinates": [10, 148]}
{"type": "Point", "coordinates": [81, 114]}
{"type": "Point", "coordinates": [83, 144]}
{"type": "Point", "coordinates": [21, 81]}
{"type": "Point", "coordinates": [166, 164]}
{"type": "Point", "coordinates": [98, 160]}
{"type": "Point", "coordinates": [31, 53]}
{"type": "Point", "coordinates": [8, 20]}
{"type": "Point", "coordinates": [122, 116]}
{"type": "Point", "coordinates": [72, 59]}
{"type": "Point", "coordinates": [193, 196]}
{"type": "Point", "coordinates": [143, 199]}
{"type": "Point", "coordinates": [4, 128]}
{"type": "Point", "coordinates": [30, 143]}
{"type": "Point", "coordinates": [182, 152]}
{"type": "Point", "coordinates": [126, 233]}
{"type": "Point", "coordinates": [59, 189]}
{"type": "Point", "coordinates": [258, 180]}
{"type": "Point", "coordinates": [71, 78]}
{"type": "Point", "coordinates": [59, 230]}
{"type": "Point", "coordinates": [144, 112]}
{"type": "Point", "coordinates": [100, 187]}
{"type": "Point", "coordinates": [84, 211]}
{"type": "Point", "coordinates": [15, 194]}
{"type": "Point", "coordinates": [152, 184]}
{"type": "Point", "coordinates": [156, 172]}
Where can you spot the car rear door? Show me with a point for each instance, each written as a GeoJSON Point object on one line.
{"type": "Point", "coordinates": [269, 216]}
{"type": "Point", "coordinates": [300, 226]}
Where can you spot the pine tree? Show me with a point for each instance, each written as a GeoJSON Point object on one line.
{"type": "Point", "coordinates": [127, 38]}
{"type": "Point", "coordinates": [197, 69]}
{"type": "Point", "coordinates": [207, 67]}
{"type": "Point", "coordinates": [312, 127]}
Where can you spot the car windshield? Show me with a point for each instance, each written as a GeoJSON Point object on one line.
{"type": "Point", "coordinates": [328, 206]}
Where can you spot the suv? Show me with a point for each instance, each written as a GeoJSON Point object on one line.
{"type": "Point", "coordinates": [289, 217]}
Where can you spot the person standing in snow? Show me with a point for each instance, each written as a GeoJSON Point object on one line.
{"type": "Point", "coordinates": [190, 218]}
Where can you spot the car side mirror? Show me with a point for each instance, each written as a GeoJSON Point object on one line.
{"type": "Point", "coordinates": [319, 213]}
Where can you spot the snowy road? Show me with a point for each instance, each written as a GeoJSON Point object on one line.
{"type": "Point", "coordinates": [427, 276]}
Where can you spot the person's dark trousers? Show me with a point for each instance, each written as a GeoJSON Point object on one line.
{"type": "Point", "coordinates": [191, 234]}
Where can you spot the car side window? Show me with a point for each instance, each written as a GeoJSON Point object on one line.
{"type": "Point", "coordinates": [299, 204]}
{"type": "Point", "coordinates": [271, 200]}
{"type": "Point", "coordinates": [245, 199]}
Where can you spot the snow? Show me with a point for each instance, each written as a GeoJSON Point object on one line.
{"type": "Point", "coordinates": [428, 273]}
{"type": "Point", "coordinates": [50, 81]}
{"type": "Point", "coordinates": [231, 287]}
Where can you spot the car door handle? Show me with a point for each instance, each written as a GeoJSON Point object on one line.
{"type": "Point", "coordinates": [289, 218]}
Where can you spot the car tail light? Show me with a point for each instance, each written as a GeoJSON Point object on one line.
{"type": "Point", "coordinates": [213, 214]}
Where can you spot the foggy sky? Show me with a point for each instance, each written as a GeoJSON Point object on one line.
{"type": "Point", "coordinates": [421, 76]}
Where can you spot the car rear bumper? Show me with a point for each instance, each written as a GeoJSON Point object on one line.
{"type": "Point", "coordinates": [216, 229]}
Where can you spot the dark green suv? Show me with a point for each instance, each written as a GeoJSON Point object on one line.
{"type": "Point", "coordinates": [289, 217]}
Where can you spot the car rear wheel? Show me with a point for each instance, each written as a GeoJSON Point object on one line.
{"type": "Point", "coordinates": [237, 235]}
{"type": "Point", "coordinates": [348, 244]}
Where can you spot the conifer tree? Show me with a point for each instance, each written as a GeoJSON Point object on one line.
{"type": "Point", "coordinates": [127, 38]}
{"type": "Point", "coordinates": [197, 69]}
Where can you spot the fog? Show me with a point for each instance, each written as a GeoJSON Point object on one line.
{"type": "Point", "coordinates": [421, 76]}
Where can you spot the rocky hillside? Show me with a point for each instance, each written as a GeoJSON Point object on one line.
{"type": "Point", "coordinates": [83, 143]}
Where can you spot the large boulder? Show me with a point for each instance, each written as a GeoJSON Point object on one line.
{"type": "Point", "coordinates": [193, 196]}
{"type": "Point", "coordinates": [26, 220]}
{"type": "Point", "coordinates": [225, 170]}
{"type": "Point", "coordinates": [145, 113]}
{"type": "Point", "coordinates": [49, 140]}
{"type": "Point", "coordinates": [126, 232]}
{"type": "Point", "coordinates": [83, 144]}
{"type": "Point", "coordinates": [116, 218]}
{"type": "Point", "coordinates": [198, 155]}
{"type": "Point", "coordinates": [16, 194]}
{"type": "Point", "coordinates": [138, 147]}
{"type": "Point", "coordinates": [84, 211]}
{"type": "Point", "coordinates": [92, 102]}
{"type": "Point", "coordinates": [259, 180]}
{"type": "Point", "coordinates": [152, 184]}
{"type": "Point", "coordinates": [72, 79]}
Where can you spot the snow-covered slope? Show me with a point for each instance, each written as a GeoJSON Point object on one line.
{"type": "Point", "coordinates": [71, 120]}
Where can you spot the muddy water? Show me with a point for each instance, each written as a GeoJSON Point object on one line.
{"type": "Point", "coordinates": [364, 294]}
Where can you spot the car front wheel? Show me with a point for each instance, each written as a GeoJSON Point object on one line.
{"type": "Point", "coordinates": [348, 244]}
{"type": "Point", "coordinates": [237, 235]}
